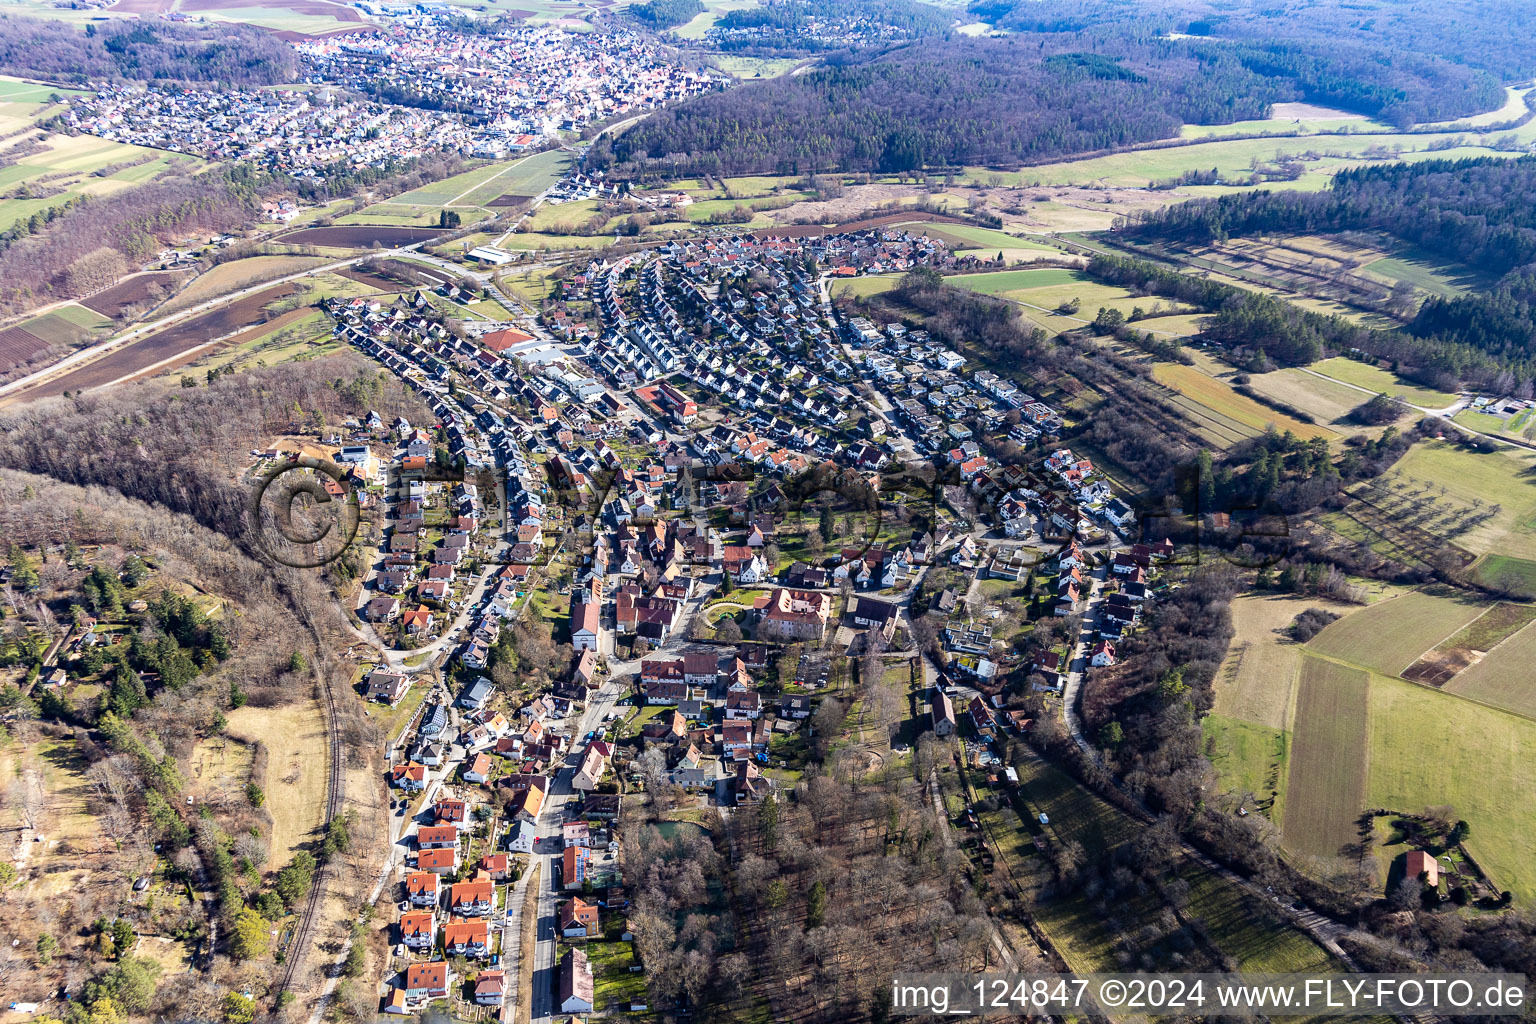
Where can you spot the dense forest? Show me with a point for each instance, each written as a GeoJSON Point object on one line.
{"type": "Point", "coordinates": [1402, 60]}
{"type": "Point", "coordinates": [936, 104]}
{"type": "Point", "coordinates": [144, 51]}
{"type": "Point", "coordinates": [1476, 211]}
{"type": "Point", "coordinates": [663, 14]}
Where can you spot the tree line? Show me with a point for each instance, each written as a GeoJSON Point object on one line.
{"type": "Point", "coordinates": [1261, 330]}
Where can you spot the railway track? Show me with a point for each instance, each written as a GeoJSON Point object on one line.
{"type": "Point", "coordinates": [303, 934]}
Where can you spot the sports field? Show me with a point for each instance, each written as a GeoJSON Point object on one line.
{"type": "Point", "coordinates": [1390, 635]}
{"type": "Point", "coordinates": [522, 176]}
{"type": "Point", "coordinates": [1352, 371]}
{"type": "Point", "coordinates": [1326, 789]}
{"type": "Point", "coordinates": [755, 67]}
{"type": "Point", "coordinates": [1218, 397]}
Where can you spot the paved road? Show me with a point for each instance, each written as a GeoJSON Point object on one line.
{"type": "Point", "coordinates": [1077, 663]}
{"type": "Point", "coordinates": [548, 854]}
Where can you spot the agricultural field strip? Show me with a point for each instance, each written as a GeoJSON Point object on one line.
{"type": "Point", "coordinates": [1502, 677]}
{"type": "Point", "coordinates": [1365, 638]}
{"type": "Point", "coordinates": [1326, 790]}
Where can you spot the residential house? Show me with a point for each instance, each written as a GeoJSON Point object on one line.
{"type": "Point", "coordinates": [520, 839]}
{"type": "Point", "coordinates": [388, 687]}
{"type": "Point", "coordinates": [585, 623]}
{"type": "Point", "coordinates": [943, 714]}
{"type": "Point", "coordinates": [418, 929]}
{"type": "Point", "coordinates": [437, 837]}
{"type": "Point", "coordinates": [579, 919]}
{"type": "Point", "coordinates": [426, 981]}
{"type": "Point", "coordinates": [496, 866]}
{"type": "Point", "coordinates": [573, 983]}
{"type": "Point", "coordinates": [575, 866]}
{"type": "Point", "coordinates": [467, 938]}
{"type": "Point", "coordinates": [439, 862]}
{"type": "Point", "coordinates": [490, 988]}
{"type": "Point", "coordinates": [475, 898]}
{"type": "Point", "coordinates": [421, 888]}
{"type": "Point", "coordinates": [410, 776]}
{"type": "Point", "coordinates": [594, 762]}
{"type": "Point", "coordinates": [478, 770]}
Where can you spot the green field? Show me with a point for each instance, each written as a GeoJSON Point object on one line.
{"type": "Point", "coordinates": [1001, 281]}
{"type": "Point", "coordinates": [1249, 932]}
{"type": "Point", "coordinates": [1230, 919]}
{"type": "Point", "coordinates": [540, 240]}
{"type": "Point", "coordinates": [696, 28]}
{"type": "Point", "coordinates": [14, 90]}
{"type": "Point", "coordinates": [567, 216]}
{"type": "Point", "coordinates": [1250, 758]}
{"type": "Point", "coordinates": [68, 325]}
{"type": "Point", "coordinates": [857, 286]}
{"type": "Point", "coordinates": [1177, 324]}
{"type": "Point", "coordinates": [278, 19]}
{"type": "Point", "coordinates": [1352, 371]}
{"type": "Point", "coordinates": [1323, 154]}
{"type": "Point", "coordinates": [1491, 628]}
{"type": "Point", "coordinates": [1503, 677]}
{"type": "Point", "coordinates": [1390, 635]}
{"type": "Point", "coordinates": [526, 175]}
{"type": "Point", "coordinates": [1515, 574]}
{"type": "Point", "coordinates": [979, 239]}
{"type": "Point", "coordinates": [1075, 814]}
{"type": "Point", "coordinates": [1499, 482]}
{"type": "Point", "coordinates": [1228, 406]}
{"type": "Point", "coordinates": [1429, 749]}
{"type": "Point", "coordinates": [1484, 423]}
{"type": "Point", "coordinates": [70, 165]}
{"type": "Point", "coordinates": [1428, 273]}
